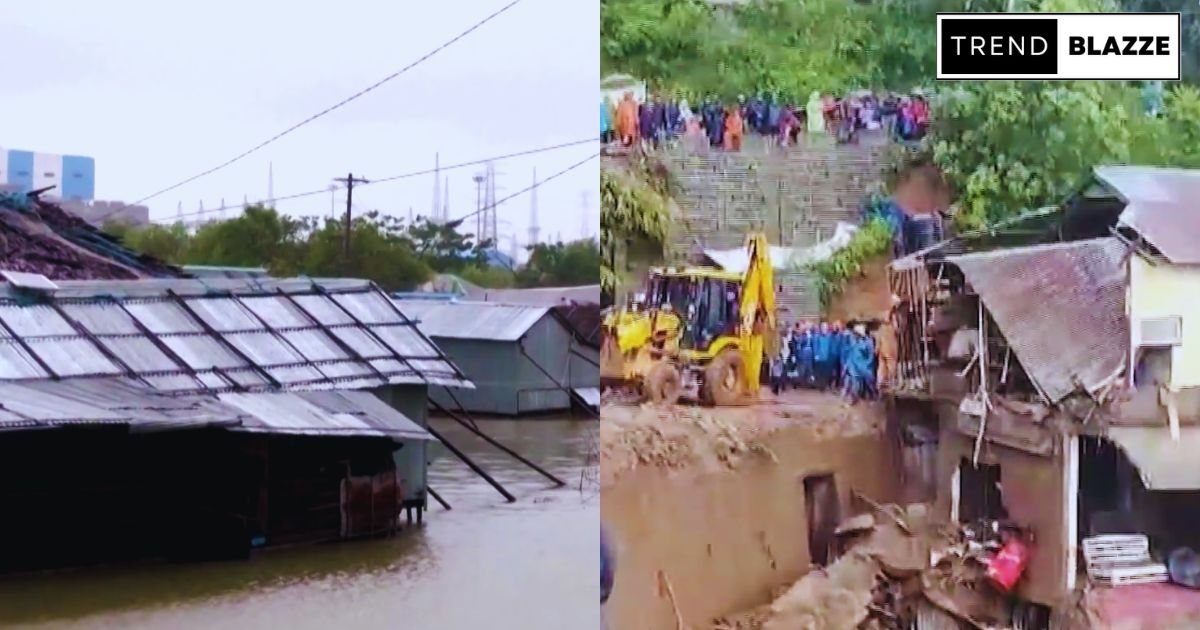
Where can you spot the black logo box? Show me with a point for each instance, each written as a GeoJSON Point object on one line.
{"type": "Point", "coordinates": [959, 57]}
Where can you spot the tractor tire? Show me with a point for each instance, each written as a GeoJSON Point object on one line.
{"type": "Point", "coordinates": [723, 379]}
{"type": "Point", "coordinates": [662, 385]}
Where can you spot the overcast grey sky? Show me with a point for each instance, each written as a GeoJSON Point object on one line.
{"type": "Point", "coordinates": [159, 91]}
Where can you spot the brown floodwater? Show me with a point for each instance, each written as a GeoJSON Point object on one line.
{"type": "Point", "coordinates": [529, 565]}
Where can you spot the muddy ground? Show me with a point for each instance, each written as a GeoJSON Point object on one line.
{"type": "Point", "coordinates": [708, 440]}
{"type": "Point", "coordinates": [708, 507]}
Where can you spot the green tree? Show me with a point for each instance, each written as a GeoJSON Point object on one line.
{"type": "Point", "coordinates": [443, 248]}
{"type": "Point", "coordinates": [168, 243]}
{"type": "Point", "coordinates": [630, 209]}
{"type": "Point", "coordinates": [490, 277]}
{"type": "Point", "coordinates": [561, 264]}
{"type": "Point", "coordinates": [1008, 146]}
{"type": "Point", "coordinates": [260, 236]}
{"type": "Point", "coordinates": [379, 251]}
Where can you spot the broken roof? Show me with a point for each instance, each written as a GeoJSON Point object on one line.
{"type": "Point", "coordinates": [482, 321]}
{"type": "Point", "coordinates": [189, 336]}
{"type": "Point", "coordinates": [1060, 306]}
{"type": "Point", "coordinates": [40, 237]}
{"type": "Point", "coordinates": [1162, 204]}
{"type": "Point", "coordinates": [125, 402]}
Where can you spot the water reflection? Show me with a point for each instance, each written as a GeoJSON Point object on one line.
{"type": "Point", "coordinates": [528, 565]}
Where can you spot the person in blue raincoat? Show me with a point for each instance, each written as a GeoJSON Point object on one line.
{"type": "Point", "coordinates": [839, 346]}
{"type": "Point", "coordinates": [803, 351]}
{"type": "Point", "coordinates": [859, 370]}
{"type": "Point", "coordinates": [823, 356]}
{"type": "Point", "coordinates": [605, 123]}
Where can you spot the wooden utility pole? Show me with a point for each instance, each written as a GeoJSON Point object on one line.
{"type": "Point", "coordinates": [349, 180]}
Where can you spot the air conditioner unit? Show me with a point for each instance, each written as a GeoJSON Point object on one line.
{"type": "Point", "coordinates": [1160, 331]}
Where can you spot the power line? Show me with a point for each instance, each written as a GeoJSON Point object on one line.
{"type": "Point", "coordinates": [532, 186]}
{"type": "Point", "coordinates": [326, 189]}
{"type": "Point", "coordinates": [336, 106]}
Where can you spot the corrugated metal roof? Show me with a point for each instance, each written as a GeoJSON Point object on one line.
{"type": "Point", "coordinates": [1162, 204]}
{"type": "Point", "coordinates": [225, 335]}
{"type": "Point", "coordinates": [473, 320]}
{"type": "Point", "coordinates": [1061, 307]}
{"type": "Point", "coordinates": [117, 401]}
{"type": "Point", "coordinates": [50, 404]}
{"type": "Point", "coordinates": [323, 413]}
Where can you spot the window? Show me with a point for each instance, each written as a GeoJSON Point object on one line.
{"type": "Point", "coordinates": [49, 175]}
{"type": "Point", "coordinates": [979, 493]}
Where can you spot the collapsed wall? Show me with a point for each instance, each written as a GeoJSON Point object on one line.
{"type": "Point", "coordinates": [710, 512]}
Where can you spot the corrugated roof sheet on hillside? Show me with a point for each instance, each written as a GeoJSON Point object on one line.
{"type": "Point", "coordinates": [123, 402]}
{"type": "Point", "coordinates": [1162, 204]}
{"type": "Point", "coordinates": [1061, 307]}
{"type": "Point", "coordinates": [40, 237]}
{"type": "Point", "coordinates": [224, 335]}
{"type": "Point", "coordinates": [473, 320]}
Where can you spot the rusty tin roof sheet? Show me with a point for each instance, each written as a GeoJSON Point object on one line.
{"type": "Point", "coordinates": [1162, 204]}
{"type": "Point", "coordinates": [1061, 307]}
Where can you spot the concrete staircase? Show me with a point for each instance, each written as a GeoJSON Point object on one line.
{"type": "Point", "coordinates": [797, 195]}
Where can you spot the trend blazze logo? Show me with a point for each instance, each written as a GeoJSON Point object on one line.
{"type": "Point", "coordinates": [1117, 46]}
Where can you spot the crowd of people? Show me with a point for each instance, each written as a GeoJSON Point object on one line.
{"type": "Point", "coordinates": [658, 120]}
{"type": "Point", "coordinates": [850, 360]}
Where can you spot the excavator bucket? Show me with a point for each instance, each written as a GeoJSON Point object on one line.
{"type": "Point", "coordinates": [612, 360]}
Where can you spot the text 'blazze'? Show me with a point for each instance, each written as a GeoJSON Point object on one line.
{"type": "Point", "coordinates": [1127, 45]}
{"type": "Point", "coordinates": [1000, 45]}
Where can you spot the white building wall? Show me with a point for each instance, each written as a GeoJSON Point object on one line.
{"type": "Point", "coordinates": [47, 171]}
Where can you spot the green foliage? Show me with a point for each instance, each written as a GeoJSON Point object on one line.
{"type": "Point", "coordinates": [164, 242]}
{"type": "Point", "coordinates": [489, 277]}
{"type": "Point", "coordinates": [782, 47]}
{"type": "Point", "coordinates": [630, 208]}
{"type": "Point", "coordinates": [260, 236]}
{"type": "Point", "coordinates": [443, 247]}
{"type": "Point", "coordinates": [1007, 146]}
{"type": "Point", "coordinates": [379, 251]}
{"type": "Point", "coordinates": [383, 249]}
{"type": "Point", "coordinates": [872, 240]}
{"type": "Point", "coordinates": [561, 265]}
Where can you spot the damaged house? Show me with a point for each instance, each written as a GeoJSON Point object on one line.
{"type": "Point", "coordinates": [1050, 381]}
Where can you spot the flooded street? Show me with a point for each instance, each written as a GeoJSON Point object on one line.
{"type": "Point", "coordinates": [530, 565]}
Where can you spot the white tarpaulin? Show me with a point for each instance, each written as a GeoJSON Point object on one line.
{"type": "Point", "coordinates": [786, 257]}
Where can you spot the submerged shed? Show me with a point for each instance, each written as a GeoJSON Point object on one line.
{"type": "Point", "coordinates": [522, 359]}
{"type": "Point", "coordinates": [185, 416]}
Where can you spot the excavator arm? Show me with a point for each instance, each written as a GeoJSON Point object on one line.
{"type": "Point", "coordinates": [758, 295]}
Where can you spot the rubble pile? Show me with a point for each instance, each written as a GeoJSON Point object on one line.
{"type": "Point", "coordinates": [675, 437]}
{"type": "Point", "coordinates": [894, 562]}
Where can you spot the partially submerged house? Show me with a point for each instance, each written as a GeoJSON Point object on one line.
{"type": "Point", "coordinates": [522, 359]}
{"type": "Point", "coordinates": [1056, 386]}
{"type": "Point", "coordinates": [189, 418]}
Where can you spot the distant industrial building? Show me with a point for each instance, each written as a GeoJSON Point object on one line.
{"type": "Point", "coordinates": [72, 183]}
{"type": "Point", "coordinates": [73, 176]}
{"type": "Point", "coordinates": [522, 359]}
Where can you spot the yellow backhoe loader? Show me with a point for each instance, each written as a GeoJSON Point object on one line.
{"type": "Point", "coordinates": [699, 330]}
